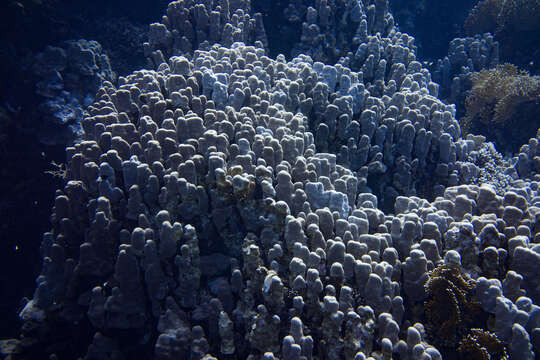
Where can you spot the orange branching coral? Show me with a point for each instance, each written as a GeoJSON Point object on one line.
{"type": "Point", "coordinates": [497, 94]}
{"type": "Point", "coordinates": [449, 308]}
{"type": "Point", "coordinates": [480, 344]}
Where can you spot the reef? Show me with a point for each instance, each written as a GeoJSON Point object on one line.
{"type": "Point", "coordinates": [225, 204]}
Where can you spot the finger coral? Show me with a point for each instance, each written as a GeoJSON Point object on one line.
{"type": "Point", "coordinates": [231, 205]}
{"type": "Point", "coordinates": [483, 17]}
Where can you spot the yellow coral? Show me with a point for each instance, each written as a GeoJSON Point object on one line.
{"type": "Point", "coordinates": [497, 93]}
{"type": "Point", "coordinates": [451, 314]}
{"type": "Point", "coordinates": [480, 344]}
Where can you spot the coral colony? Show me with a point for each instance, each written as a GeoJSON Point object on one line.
{"type": "Point", "coordinates": [229, 205]}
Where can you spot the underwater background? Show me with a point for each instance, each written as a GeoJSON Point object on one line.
{"type": "Point", "coordinates": [236, 179]}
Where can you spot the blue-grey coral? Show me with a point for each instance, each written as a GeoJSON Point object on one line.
{"type": "Point", "coordinates": [228, 204]}
{"type": "Point", "coordinates": [465, 56]}
{"type": "Point", "coordinates": [67, 78]}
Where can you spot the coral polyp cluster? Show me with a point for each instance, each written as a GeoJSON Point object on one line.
{"type": "Point", "coordinates": [501, 100]}
{"type": "Point", "coordinates": [482, 345]}
{"type": "Point", "coordinates": [455, 317]}
{"type": "Point", "coordinates": [450, 308]}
